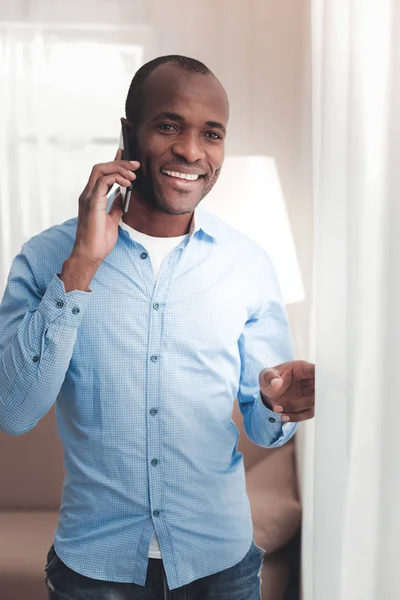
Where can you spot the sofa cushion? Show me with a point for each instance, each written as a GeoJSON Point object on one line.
{"type": "Point", "coordinates": [275, 506]}
{"type": "Point", "coordinates": [32, 468]}
{"type": "Point", "coordinates": [25, 540]}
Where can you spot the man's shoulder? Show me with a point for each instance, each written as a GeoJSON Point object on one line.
{"type": "Point", "coordinates": [55, 236]}
{"type": "Point", "coordinates": [232, 239]}
{"type": "Point", "coordinates": [225, 232]}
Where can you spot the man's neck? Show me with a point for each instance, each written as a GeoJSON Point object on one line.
{"type": "Point", "coordinates": [155, 223]}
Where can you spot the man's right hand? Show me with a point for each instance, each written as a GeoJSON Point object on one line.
{"type": "Point", "coordinates": [97, 231]}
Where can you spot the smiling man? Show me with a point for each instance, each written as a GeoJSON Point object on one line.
{"type": "Point", "coordinates": [144, 327]}
{"type": "Point", "coordinates": [177, 118]}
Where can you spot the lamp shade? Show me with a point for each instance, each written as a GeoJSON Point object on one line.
{"type": "Point", "coordinates": [249, 197]}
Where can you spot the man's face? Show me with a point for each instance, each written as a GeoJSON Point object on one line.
{"type": "Point", "coordinates": [179, 141]}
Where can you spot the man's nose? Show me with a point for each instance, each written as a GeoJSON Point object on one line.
{"type": "Point", "coordinates": [190, 147]}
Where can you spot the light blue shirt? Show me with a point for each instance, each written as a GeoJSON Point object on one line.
{"type": "Point", "coordinates": [145, 374]}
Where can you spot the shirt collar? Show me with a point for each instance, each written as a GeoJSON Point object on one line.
{"type": "Point", "coordinates": [205, 221]}
{"type": "Point", "coordinates": [201, 220]}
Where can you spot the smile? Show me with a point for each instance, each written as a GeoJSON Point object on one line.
{"type": "Point", "coordinates": [178, 175]}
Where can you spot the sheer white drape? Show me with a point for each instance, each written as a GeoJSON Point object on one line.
{"type": "Point", "coordinates": [53, 127]}
{"type": "Point", "coordinates": [356, 61]}
{"type": "Point", "coordinates": [21, 175]}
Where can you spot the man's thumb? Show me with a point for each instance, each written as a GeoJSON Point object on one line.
{"type": "Point", "coordinates": [270, 378]}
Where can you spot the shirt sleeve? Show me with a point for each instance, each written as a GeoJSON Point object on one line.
{"type": "Point", "coordinates": [265, 342]}
{"type": "Point", "coordinates": [38, 330]}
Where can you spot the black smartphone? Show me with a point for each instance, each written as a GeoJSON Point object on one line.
{"type": "Point", "coordinates": [126, 147]}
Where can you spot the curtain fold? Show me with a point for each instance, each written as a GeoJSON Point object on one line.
{"type": "Point", "coordinates": [53, 126]}
{"type": "Point", "coordinates": [356, 69]}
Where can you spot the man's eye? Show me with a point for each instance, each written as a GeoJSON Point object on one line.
{"type": "Point", "coordinates": [214, 135]}
{"type": "Point", "coordinates": [166, 127]}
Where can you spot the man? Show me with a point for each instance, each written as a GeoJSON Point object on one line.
{"type": "Point", "coordinates": [145, 330]}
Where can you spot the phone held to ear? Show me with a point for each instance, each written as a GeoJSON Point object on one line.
{"type": "Point", "coordinates": [125, 192]}
{"type": "Point", "coordinates": [124, 145]}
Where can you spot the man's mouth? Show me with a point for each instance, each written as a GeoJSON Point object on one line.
{"type": "Point", "coordinates": [180, 175]}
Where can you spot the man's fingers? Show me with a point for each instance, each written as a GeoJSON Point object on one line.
{"type": "Point", "coordinates": [104, 184]}
{"type": "Point", "coordinates": [297, 405]}
{"type": "Point", "coordinates": [125, 168]}
{"type": "Point", "coordinates": [303, 415]}
{"type": "Point", "coordinates": [112, 168]}
{"type": "Point", "coordinates": [307, 387]}
{"type": "Point", "coordinates": [289, 388]}
{"type": "Point", "coordinates": [119, 154]}
{"type": "Point", "coordinates": [308, 369]}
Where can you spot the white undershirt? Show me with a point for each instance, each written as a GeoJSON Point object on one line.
{"type": "Point", "coordinates": [158, 249]}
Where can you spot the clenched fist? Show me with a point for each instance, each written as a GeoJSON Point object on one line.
{"type": "Point", "coordinates": [289, 389]}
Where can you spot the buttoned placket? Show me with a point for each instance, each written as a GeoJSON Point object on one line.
{"type": "Point", "coordinates": [158, 303]}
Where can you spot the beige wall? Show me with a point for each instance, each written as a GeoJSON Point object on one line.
{"type": "Point", "coordinates": [260, 51]}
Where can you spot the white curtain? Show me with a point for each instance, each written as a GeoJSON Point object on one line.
{"type": "Point", "coordinates": [356, 63]}
{"type": "Point", "coordinates": [62, 94]}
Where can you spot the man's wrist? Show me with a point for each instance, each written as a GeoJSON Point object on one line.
{"type": "Point", "coordinates": [77, 274]}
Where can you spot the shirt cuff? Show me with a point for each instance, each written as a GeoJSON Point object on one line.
{"type": "Point", "coordinates": [268, 425]}
{"type": "Point", "coordinates": [266, 414]}
{"type": "Point", "coordinates": [67, 308]}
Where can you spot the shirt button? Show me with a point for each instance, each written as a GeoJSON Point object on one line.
{"type": "Point", "coordinates": [154, 462]}
{"type": "Point", "coordinates": [59, 303]}
{"type": "Point", "coordinates": [144, 255]}
{"type": "Point", "coordinates": [156, 513]}
{"type": "Point", "coordinates": [153, 411]}
{"type": "Point", "coordinates": [35, 359]}
{"type": "Point", "coordinates": [272, 420]}
{"type": "Point", "coordinates": [156, 306]}
{"type": "Point", "coordinates": [154, 358]}
{"type": "Point", "coordinates": [76, 310]}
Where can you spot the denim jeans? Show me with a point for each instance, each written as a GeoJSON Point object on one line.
{"type": "Point", "coordinates": [240, 582]}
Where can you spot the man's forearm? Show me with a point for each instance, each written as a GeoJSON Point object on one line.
{"type": "Point", "coordinates": [34, 361]}
{"type": "Point", "coordinates": [30, 378]}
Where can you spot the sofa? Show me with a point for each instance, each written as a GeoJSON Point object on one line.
{"type": "Point", "coordinates": [31, 476]}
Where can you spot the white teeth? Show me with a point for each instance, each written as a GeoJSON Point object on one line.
{"type": "Point", "coordinates": [188, 176]}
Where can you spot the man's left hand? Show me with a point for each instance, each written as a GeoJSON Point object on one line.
{"type": "Point", "coordinates": [289, 389]}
